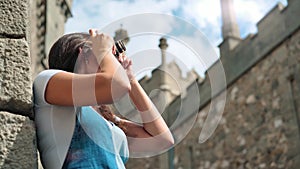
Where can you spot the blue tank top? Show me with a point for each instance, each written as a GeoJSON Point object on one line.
{"type": "Point", "coordinates": [96, 143]}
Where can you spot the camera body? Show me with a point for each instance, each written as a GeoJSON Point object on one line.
{"type": "Point", "coordinates": [120, 48]}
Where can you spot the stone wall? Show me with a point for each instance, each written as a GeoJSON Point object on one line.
{"type": "Point", "coordinates": [17, 139]}
{"type": "Point", "coordinates": [259, 127]}
{"type": "Point", "coordinates": [17, 133]}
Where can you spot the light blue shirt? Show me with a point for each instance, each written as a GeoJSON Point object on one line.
{"type": "Point", "coordinates": [55, 127]}
{"type": "Point", "coordinates": [96, 143]}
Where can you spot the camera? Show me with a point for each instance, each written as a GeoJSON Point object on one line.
{"type": "Point", "coordinates": [120, 48]}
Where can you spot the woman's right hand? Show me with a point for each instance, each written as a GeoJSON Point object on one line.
{"type": "Point", "coordinates": [102, 44]}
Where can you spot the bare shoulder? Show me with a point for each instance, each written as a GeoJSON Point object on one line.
{"type": "Point", "coordinates": [59, 89]}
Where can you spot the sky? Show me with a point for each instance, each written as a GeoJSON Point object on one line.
{"type": "Point", "coordinates": [188, 24]}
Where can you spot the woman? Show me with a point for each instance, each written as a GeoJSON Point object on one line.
{"type": "Point", "coordinates": [74, 127]}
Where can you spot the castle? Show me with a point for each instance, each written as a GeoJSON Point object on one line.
{"type": "Point", "coordinates": [259, 127]}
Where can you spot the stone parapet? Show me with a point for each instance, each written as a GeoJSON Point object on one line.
{"type": "Point", "coordinates": [253, 49]}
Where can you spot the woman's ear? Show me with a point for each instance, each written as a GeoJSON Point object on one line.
{"type": "Point", "coordinates": [83, 56]}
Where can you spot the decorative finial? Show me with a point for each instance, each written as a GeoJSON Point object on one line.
{"type": "Point", "coordinates": [163, 43]}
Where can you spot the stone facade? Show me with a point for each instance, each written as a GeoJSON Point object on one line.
{"type": "Point", "coordinates": [17, 133]}
{"type": "Point", "coordinates": [47, 20]}
{"type": "Point", "coordinates": [25, 32]}
{"type": "Point", "coordinates": [260, 126]}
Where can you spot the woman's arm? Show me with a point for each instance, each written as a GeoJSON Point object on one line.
{"type": "Point", "coordinates": [109, 84]}
{"type": "Point", "coordinates": [153, 124]}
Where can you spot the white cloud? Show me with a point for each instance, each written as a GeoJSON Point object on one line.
{"type": "Point", "coordinates": [143, 23]}
{"type": "Point", "coordinates": [203, 14]}
{"type": "Point", "coordinates": [206, 14]}
{"type": "Point", "coordinates": [101, 13]}
{"type": "Point", "coordinates": [192, 52]}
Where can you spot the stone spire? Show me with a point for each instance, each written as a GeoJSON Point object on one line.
{"type": "Point", "coordinates": [230, 27]}
{"type": "Point", "coordinates": [163, 45]}
{"type": "Point", "coordinates": [165, 95]}
{"type": "Point", "coordinates": [121, 34]}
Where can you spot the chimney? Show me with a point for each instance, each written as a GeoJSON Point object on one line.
{"type": "Point", "coordinates": [230, 29]}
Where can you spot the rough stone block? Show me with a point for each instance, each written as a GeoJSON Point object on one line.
{"type": "Point", "coordinates": [17, 142]}
{"type": "Point", "coordinates": [15, 77]}
{"type": "Point", "coordinates": [13, 17]}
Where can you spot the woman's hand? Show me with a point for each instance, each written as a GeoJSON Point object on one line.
{"type": "Point", "coordinates": [102, 44]}
{"type": "Point", "coordinates": [105, 111]}
{"type": "Point", "coordinates": [127, 65]}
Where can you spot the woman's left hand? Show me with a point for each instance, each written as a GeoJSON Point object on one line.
{"type": "Point", "coordinates": [105, 111]}
{"type": "Point", "coordinates": [127, 65]}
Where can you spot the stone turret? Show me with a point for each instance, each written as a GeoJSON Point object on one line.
{"type": "Point", "coordinates": [121, 34]}
{"type": "Point", "coordinates": [163, 45]}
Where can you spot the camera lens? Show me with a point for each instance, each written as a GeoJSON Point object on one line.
{"type": "Point", "coordinates": [120, 47]}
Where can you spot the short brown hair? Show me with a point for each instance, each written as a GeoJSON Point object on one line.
{"type": "Point", "coordinates": [64, 52]}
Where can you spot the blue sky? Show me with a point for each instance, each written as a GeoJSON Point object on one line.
{"type": "Point", "coordinates": [204, 15]}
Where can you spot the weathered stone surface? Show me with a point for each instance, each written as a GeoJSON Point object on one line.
{"type": "Point", "coordinates": [15, 77]}
{"type": "Point", "coordinates": [258, 127]}
{"type": "Point", "coordinates": [250, 99]}
{"type": "Point", "coordinates": [17, 142]}
{"type": "Point", "coordinates": [13, 17]}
